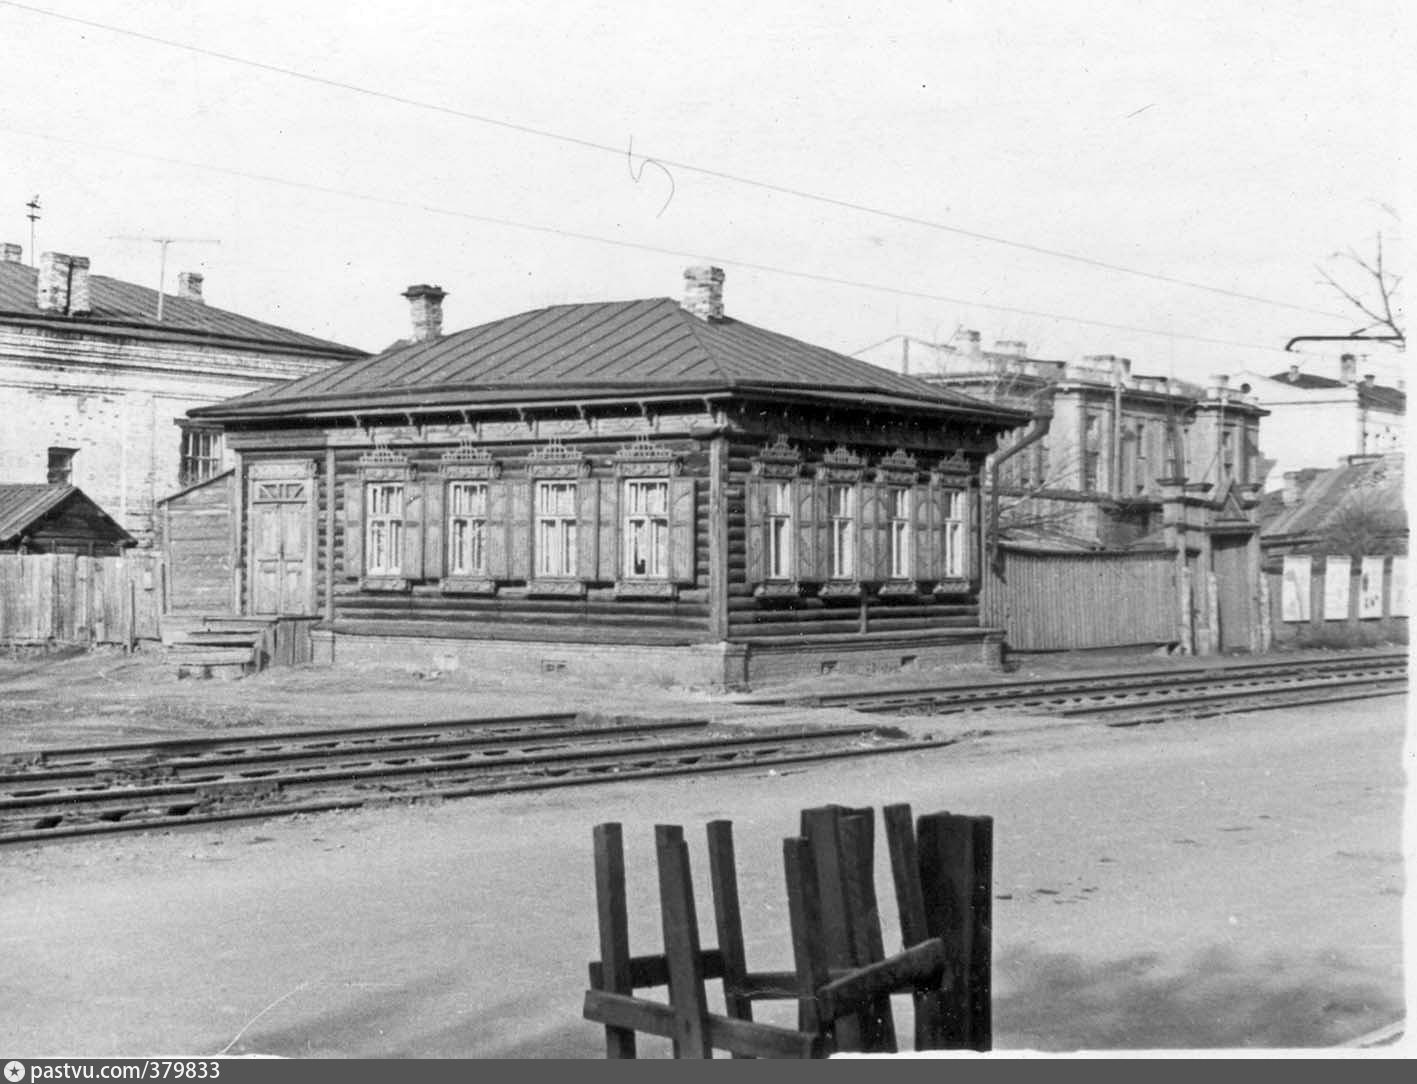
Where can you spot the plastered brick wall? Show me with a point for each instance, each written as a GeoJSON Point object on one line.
{"type": "Point", "coordinates": [117, 401]}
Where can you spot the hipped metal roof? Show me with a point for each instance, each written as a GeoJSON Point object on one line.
{"type": "Point", "coordinates": [125, 308]}
{"type": "Point", "coordinates": [602, 351]}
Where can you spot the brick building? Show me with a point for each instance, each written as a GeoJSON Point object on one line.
{"type": "Point", "coordinates": [1317, 420]}
{"type": "Point", "coordinates": [97, 375]}
{"type": "Point", "coordinates": [647, 487]}
{"type": "Point", "coordinates": [1114, 438]}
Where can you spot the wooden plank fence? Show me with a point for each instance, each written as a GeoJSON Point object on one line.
{"type": "Point", "coordinates": [70, 599]}
{"type": "Point", "coordinates": [1068, 601]}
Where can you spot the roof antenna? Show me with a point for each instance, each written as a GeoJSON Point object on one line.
{"type": "Point", "coordinates": [33, 216]}
{"type": "Point", "coordinates": [162, 265]}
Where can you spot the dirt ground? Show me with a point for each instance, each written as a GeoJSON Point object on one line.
{"type": "Point", "coordinates": [1201, 884]}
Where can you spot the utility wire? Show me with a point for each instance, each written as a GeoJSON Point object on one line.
{"type": "Point", "coordinates": [638, 246]}
{"type": "Point", "coordinates": [688, 167]}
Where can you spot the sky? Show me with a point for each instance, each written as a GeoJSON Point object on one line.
{"type": "Point", "coordinates": [1099, 178]}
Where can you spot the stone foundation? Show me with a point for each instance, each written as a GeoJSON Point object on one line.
{"type": "Point", "coordinates": [719, 667]}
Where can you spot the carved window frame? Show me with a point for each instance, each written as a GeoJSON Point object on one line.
{"type": "Point", "coordinates": [841, 467]}
{"type": "Point", "coordinates": [897, 472]}
{"type": "Point", "coordinates": [952, 479]}
{"type": "Point", "coordinates": [466, 463]}
{"type": "Point", "coordinates": [553, 461]}
{"type": "Point", "coordinates": [383, 465]}
{"type": "Point", "coordinates": [644, 461]}
{"type": "Point", "coordinates": [779, 462]}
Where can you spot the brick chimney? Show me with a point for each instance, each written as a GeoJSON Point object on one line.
{"type": "Point", "coordinates": [63, 284]}
{"type": "Point", "coordinates": [10, 252]}
{"type": "Point", "coordinates": [1294, 374]}
{"type": "Point", "coordinates": [703, 292]}
{"type": "Point", "coordinates": [1348, 369]}
{"type": "Point", "coordinates": [425, 305]}
{"type": "Point", "coordinates": [189, 286]}
{"type": "Point", "coordinates": [1369, 379]}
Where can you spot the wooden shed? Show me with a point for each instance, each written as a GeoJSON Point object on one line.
{"type": "Point", "coordinates": [644, 488]}
{"type": "Point", "coordinates": [40, 518]}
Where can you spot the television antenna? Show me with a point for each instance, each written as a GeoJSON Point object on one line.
{"type": "Point", "coordinates": [163, 242]}
{"type": "Point", "coordinates": [33, 216]}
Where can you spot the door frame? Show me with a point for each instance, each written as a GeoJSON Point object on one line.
{"type": "Point", "coordinates": [282, 470]}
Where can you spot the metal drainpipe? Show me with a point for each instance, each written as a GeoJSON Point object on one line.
{"type": "Point", "coordinates": [1036, 431]}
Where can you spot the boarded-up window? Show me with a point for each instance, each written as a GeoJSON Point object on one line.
{"type": "Point", "coordinates": [1294, 588]}
{"type": "Point", "coordinates": [1370, 595]}
{"type": "Point", "coordinates": [1337, 574]}
{"type": "Point", "coordinates": [1397, 588]}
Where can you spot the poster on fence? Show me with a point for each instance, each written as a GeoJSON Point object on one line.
{"type": "Point", "coordinates": [1294, 589]}
{"type": "Point", "coordinates": [1398, 590]}
{"type": "Point", "coordinates": [1337, 575]}
{"type": "Point", "coordinates": [1370, 589]}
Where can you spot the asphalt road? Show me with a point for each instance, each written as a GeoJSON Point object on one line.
{"type": "Point", "coordinates": [1223, 883]}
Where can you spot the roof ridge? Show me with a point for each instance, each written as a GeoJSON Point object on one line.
{"type": "Point", "coordinates": [696, 326]}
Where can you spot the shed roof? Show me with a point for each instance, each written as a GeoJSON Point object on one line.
{"type": "Point", "coordinates": [24, 504]}
{"type": "Point", "coordinates": [597, 351]}
{"type": "Point", "coordinates": [125, 307]}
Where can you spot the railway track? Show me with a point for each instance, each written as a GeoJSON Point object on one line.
{"type": "Point", "coordinates": [1131, 697]}
{"type": "Point", "coordinates": [63, 793]}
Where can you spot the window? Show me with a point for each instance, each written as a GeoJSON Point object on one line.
{"type": "Point", "coordinates": [201, 456]}
{"type": "Point", "coordinates": [61, 466]}
{"type": "Point", "coordinates": [841, 512]}
{"type": "Point", "coordinates": [1091, 454]}
{"type": "Point", "coordinates": [952, 530]}
{"type": "Point", "coordinates": [779, 526]}
{"type": "Point", "coordinates": [646, 529]}
{"type": "Point", "coordinates": [467, 528]}
{"type": "Point", "coordinates": [555, 529]}
{"type": "Point", "coordinates": [383, 538]}
{"type": "Point", "coordinates": [898, 531]}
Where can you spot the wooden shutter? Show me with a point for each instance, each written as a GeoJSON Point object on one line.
{"type": "Point", "coordinates": [807, 542]}
{"type": "Point", "coordinates": [413, 516]}
{"type": "Point", "coordinates": [519, 530]}
{"type": "Point", "coordinates": [608, 528]}
{"type": "Point", "coordinates": [968, 536]}
{"type": "Point", "coordinates": [939, 510]}
{"type": "Point", "coordinates": [499, 502]}
{"type": "Point", "coordinates": [874, 552]}
{"type": "Point", "coordinates": [353, 529]}
{"type": "Point", "coordinates": [682, 498]}
{"type": "Point", "coordinates": [753, 517]}
{"type": "Point", "coordinates": [435, 528]}
{"type": "Point", "coordinates": [927, 532]}
{"type": "Point", "coordinates": [588, 527]}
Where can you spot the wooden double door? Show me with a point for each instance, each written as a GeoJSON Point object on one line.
{"type": "Point", "coordinates": [281, 518]}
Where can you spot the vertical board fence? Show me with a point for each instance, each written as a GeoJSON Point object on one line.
{"type": "Point", "coordinates": [69, 599]}
{"type": "Point", "coordinates": [1067, 601]}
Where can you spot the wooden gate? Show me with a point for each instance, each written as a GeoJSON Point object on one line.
{"type": "Point", "coordinates": [1061, 601]}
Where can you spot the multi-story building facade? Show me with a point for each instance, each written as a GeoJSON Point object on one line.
{"type": "Point", "coordinates": [1113, 440]}
{"type": "Point", "coordinates": [97, 375]}
{"type": "Point", "coordinates": [1316, 420]}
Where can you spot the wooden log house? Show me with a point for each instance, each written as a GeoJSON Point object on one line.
{"type": "Point", "coordinates": [647, 489]}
